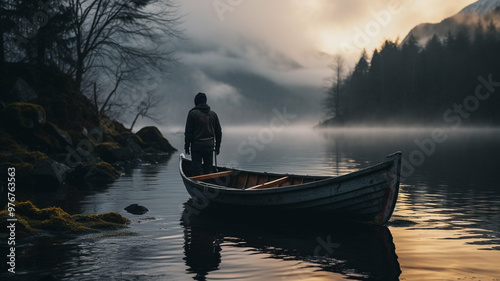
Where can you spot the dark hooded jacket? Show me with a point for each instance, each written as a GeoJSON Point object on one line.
{"type": "Point", "coordinates": [202, 124]}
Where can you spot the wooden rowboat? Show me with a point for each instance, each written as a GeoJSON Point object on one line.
{"type": "Point", "coordinates": [368, 195]}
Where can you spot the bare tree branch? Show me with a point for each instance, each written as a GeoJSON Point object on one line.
{"type": "Point", "coordinates": [126, 29]}
{"type": "Point", "coordinates": [332, 103]}
{"type": "Point", "coordinates": [144, 107]}
{"type": "Point", "coordinates": [119, 43]}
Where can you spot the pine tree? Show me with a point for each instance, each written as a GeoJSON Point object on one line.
{"type": "Point", "coordinates": [358, 88]}
{"type": "Point", "coordinates": [410, 72]}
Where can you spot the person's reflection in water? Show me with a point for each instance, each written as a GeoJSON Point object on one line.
{"type": "Point", "coordinates": [202, 250]}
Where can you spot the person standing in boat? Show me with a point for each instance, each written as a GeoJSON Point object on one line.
{"type": "Point", "coordinates": [203, 132]}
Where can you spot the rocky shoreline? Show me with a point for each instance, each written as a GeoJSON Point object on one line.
{"type": "Point", "coordinates": [52, 137]}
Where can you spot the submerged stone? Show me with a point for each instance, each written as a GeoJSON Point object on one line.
{"type": "Point", "coordinates": [136, 209]}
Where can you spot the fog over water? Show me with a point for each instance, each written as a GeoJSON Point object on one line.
{"type": "Point", "coordinates": [445, 226]}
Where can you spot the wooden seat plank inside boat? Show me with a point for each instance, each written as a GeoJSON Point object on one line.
{"type": "Point", "coordinates": [248, 180]}
{"type": "Point", "coordinates": [211, 176]}
{"type": "Point", "coordinates": [274, 183]}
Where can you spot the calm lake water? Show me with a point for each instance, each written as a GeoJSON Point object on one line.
{"type": "Point", "coordinates": [446, 225]}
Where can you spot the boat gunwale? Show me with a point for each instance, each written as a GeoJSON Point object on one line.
{"type": "Point", "coordinates": [327, 180]}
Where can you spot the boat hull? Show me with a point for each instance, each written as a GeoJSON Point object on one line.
{"type": "Point", "coordinates": [368, 195]}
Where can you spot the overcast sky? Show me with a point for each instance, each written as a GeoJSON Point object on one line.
{"type": "Point", "coordinates": [266, 54]}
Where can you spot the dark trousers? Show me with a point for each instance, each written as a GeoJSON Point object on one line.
{"type": "Point", "coordinates": [202, 153]}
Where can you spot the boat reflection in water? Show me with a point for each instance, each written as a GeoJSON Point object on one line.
{"type": "Point", "coordinates": [347, 250]}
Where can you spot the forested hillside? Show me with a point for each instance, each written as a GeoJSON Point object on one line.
{"type": "Point", "coordinates": [457, 75]}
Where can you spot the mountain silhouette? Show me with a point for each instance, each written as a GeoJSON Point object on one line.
{"type": "Point", "coordinates": [481, 12]}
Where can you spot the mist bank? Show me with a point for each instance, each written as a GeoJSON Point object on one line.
{"type": "Point", "coordinates": [297, 132]}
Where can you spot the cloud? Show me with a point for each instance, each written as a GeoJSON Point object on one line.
{"type": "Point", "coordinates": [285, 35]}
{"type": "Point", "coordinates": [252, 60]}
{"type": "Point", "coordinates": [217, 90]}
{"type": "Point", "coordinates": [289, 43]}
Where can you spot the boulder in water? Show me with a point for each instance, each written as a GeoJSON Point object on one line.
{"type": "Point", "coordinates": [136, 209]}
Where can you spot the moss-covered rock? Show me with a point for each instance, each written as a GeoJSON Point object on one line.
{"type": "Point", "coordinates": [22, 169]}
{"type": "Point", "coordinates": [75, 135]}
{"type": "Point", "coordinates": [20, 115]}
{"type": "Point", "coordinates": [56, 126]}
{"type": "Point", "coordinates": [24, 163]}
{"type": "Point", "coordinates": [111, 152]}
{"type": "Point", "coordinates": [64, 104]}
{"type": "Point", "coordinates": [152, 137]}
{"type": "Point", "coordinates": [23, 228]}
{"type": "Point", "coordinates": [95, 174]}
{"type": "Point", "coordinates": [112, 127]}
{"type": "Point", "coordinates": [9, 145]}
{"type": "Point", "coordinates": [32, 220]}
{"type": "Point", "coordinates": [60, 134]}
{"type": "Point", "coordinates": [42, 140]}
{"type": "Point", "coordinates": [49, 175]}
{"type": "Point", "coordinates": [125, 138]}
{"type": "Point", "coordinates": [25, 157]}
{"type": "Point", "coordinates": [21, 92]}
{"type": "Point", "coordinates": [119, 154]}
{"type": "Point", "coordinates": [108, 169]}
{"type": "Point", "coordinates": [102, 221]}
{"type": "Point", "coordinates": [23, 174]}
{"type": "Point", "coordinates": [105, 146]}
{"type": "Point", "coordinates": [13, 153]}
{"type": "Point", "coordinates": [132, 142]}
{"type": "Point", "coordinates": [47, 138]}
